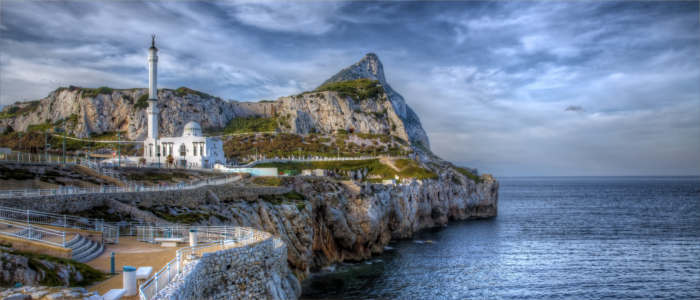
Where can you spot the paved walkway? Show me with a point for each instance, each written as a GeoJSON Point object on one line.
{"type": "Point", "coordinates": [133, 253]}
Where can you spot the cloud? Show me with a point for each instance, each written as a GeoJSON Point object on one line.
{"type": "Point", "coordinates": [300, 17]}
{"type": "Point", "coordinates": [574, 108]}
{"type": "Point", "coordinates": [493, 83]}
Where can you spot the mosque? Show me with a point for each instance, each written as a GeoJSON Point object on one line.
{"type": "Point", "coordinates": [191, 150]}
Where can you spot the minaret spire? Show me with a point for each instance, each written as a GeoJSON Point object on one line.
{"type": "Point", "coordinates": [152, 111]}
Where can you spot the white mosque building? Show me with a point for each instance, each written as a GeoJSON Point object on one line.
{"type": "Point", "coordinates": [191, 150]}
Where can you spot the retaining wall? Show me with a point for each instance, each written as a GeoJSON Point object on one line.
{"type": "Point", "coordinates": [23, 245]}
{"type": "Point", "coordinates": [187, 198]}
{"type": "Point", "coordinates": [255, 271]}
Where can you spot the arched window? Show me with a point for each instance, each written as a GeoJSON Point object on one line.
{"type": "Point", "coordinates": [183, 150]}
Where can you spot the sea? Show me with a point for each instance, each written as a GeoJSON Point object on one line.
{"type": "Point", "coordinates": [553, 238]}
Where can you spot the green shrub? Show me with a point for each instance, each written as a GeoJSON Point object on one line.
{"type": "Point", "coordinates": [16, 110]}
{"type": "Point", "coordinates": [469, 174]}
{"type": "Point", "coordinates": [142, 102]}
{"type": "Point", "coordinates": [97, 91]}
{"type": "Point", "coordinates": [268, 181]}
{"type": "Point", "coordinates": [359, 89]}
{"type": "Point", "coordinates": [183, 91]}
{"type": "Point", "coordinates": [90, 275]}
{"type": "Point", "coordinates": [251, 124]}
{"type": "Point", "coordinates": [40, 127]}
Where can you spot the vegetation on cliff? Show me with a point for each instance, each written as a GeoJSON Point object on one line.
{"type": "Point", "coordinates": [49, 270]}
{"type": "Point", "coordinates": [34, 141]}
{"type": "Point", "coordinates": [250, 124]}
{"type": "Point", "coordinates": [87, 92]}
{"type": "Point", "coordinates": [244, 147]}
{"type": "Point", "coordinates": [358, 89]}
{"type": "Point", "coordinates": [142, 102]}
{"type": "Point", "coordinates": [373, 168]}
{"type": "Point", "coordinates": [19, 109]}
{"type": "Point", "coordinates": [470, 174]}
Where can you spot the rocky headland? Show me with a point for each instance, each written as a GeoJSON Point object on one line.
{"type": "Point", "coordinates": [348, 216]}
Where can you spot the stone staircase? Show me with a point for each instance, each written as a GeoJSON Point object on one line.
{"type": "Point", "coordinates": [84, 249]}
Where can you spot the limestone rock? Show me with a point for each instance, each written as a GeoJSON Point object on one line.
{"type": "Point", "coordinates": [83, 112]}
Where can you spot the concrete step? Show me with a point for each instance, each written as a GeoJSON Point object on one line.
{"type": "Point", "coordinates": [80, 251]}
{"type": "Point", "coordinates": [90, 253]}
{"type": "Point", "coordinates": [77, 238]}
{"type": "Point", "coordinates": [95, 253]}
{"type": "Point", "coordinates": [81, 246]}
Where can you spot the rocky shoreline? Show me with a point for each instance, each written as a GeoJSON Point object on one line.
{"type": "Point", "coordinates": [346, 221]}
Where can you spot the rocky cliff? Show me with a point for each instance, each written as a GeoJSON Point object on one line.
{"type": "Point", "coordinates": [86, 112]}
{"type": "Point", "coordinates": [324, 221]}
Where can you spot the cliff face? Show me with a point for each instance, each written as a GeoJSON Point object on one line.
{"type": "Point", "coordinates": [96, 111]}
{"type": "Point", "coordinates": [344, 221]}
{"type": "Point", "coordinates": [370, 67]}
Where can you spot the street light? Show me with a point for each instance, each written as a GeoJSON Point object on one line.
{"type": "Point", "coordinates": [64, 142]}
{"type": "Point", "coordinates": [119, 153]}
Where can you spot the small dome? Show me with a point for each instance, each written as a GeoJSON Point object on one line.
{"type": "Point", "coordinates": [192, 129]}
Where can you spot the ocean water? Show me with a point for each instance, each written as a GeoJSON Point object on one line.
{"type": "Point", "coordinates": [554, 238]}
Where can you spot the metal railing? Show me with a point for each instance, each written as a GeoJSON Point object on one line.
{"type": "Point", "coordinates": [131, 188]}
{"type": "Point", "coordinates": [37, 158]}
{"type": "Point", "coordinates": [33, 233]}
{"type": "Point", "coordinates": [110, 233]}
{"type": "Point", "coordinates": [315, 158]}
{"type": "Point", "coordinates": [225, 238]}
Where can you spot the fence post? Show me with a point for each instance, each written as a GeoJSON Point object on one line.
{"type": "Point", "coordinates": [177, 261]}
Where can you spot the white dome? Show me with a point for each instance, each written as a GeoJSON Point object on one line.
{"type": "Point", "coordinates": [192, 128]}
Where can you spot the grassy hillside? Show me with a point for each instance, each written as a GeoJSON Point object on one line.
{"type": "Point", "coordinates": [242, 148]}
{"type": "Point", "coordinates": [375, 169]}
{"type": "Point", "coordinates": [357, 89]}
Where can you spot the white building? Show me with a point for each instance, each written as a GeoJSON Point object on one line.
{"type": "Point", "coordinates": [191, 150]}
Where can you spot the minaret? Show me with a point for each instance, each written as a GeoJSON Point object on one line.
{"type": "Point", "coordinates": [152, 90]}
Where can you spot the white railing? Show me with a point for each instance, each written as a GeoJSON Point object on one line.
{"type": "Point", "coordinates": [37, 158]}
{"type": "Point", "coordinates": [110, 233]}
{"type": "Point", "coordinates": [228, 237]}
{"type": "Point", "coordinates": [29, 232]}
{"type": "Point", "coordinates": [131, 188]}
{"type": "Point", "coordinates": [315, 158]}
{"type": "Point", "coordinates": [149, 233]}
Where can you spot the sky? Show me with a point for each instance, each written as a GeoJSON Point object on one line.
{"type": "Point", "coordinates": [519, 88]}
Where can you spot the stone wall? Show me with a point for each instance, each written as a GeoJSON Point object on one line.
{"type": "Point", "coordinates": [255, 271]}
{"type": "Point", "coordinates": [23, 245]}
{"type": "Point", "coordinates": [121, 201]}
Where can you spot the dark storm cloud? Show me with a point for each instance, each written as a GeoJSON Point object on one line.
{"type": "Point", "coordinates": [488, 79]}
{"type": "Point", "coordinates": [574, 108]}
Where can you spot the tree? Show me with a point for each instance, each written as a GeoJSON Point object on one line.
{"type": "Point", "coordinates": [142, 161]}
{"type": "Point", "coordinates": [170, 160]}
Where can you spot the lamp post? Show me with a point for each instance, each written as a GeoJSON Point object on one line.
{"type": "Point", "coordinates": [64, 143]}
{"type": "Point", "coordinates": [46, 145]}
{"type": "Point", "coordinates": [158, 153]}
{"type": "Point", "coordinates": [119, 153]}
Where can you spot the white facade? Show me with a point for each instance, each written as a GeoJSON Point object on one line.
{"type": "Point", "coordinates": [191, 150]}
